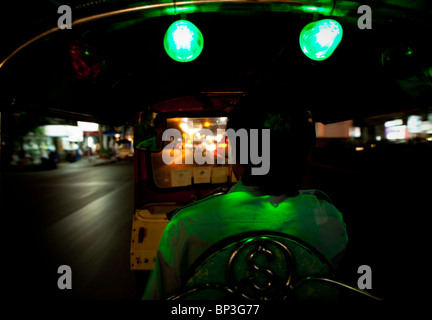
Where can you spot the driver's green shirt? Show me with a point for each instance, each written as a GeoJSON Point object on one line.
{"type": "Point", "coordinates": [309, 216]}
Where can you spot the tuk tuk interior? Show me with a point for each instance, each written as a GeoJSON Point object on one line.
{"type": "Point", "coordinates": [160, 188]}
{"type": "Point", "coordinates": [111, 68]}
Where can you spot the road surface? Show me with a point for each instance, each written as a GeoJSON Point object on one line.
{"type": "Point", "coordinates": [75, 215]}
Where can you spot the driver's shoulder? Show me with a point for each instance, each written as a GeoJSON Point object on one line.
{"type": "Point", "coordinates": [208, 200]}
{"type": "Point", "coordinates": [318, 194]}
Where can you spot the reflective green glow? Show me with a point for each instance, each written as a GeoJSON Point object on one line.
{"type": "Point", "coordinates": [179, 9]}
{"type": "Point", "coordinates": [319, 39]}
{"type": "Point", "coordinates": [311, 9]}
{"type": "Point", "coordinates": [183, 41]}
{"type": "Point", "coordinates": [320, 10]}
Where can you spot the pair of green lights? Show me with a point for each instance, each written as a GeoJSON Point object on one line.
{"type": "Point", "coordinates": [184, 42]}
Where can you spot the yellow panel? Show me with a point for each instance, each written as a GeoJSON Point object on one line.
{"type": "Point", "coordinates": [147, 228]}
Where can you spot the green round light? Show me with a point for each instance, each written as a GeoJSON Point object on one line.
{"type": "Point", "coordinates": [183, 41]}
{"type": "Point", "coordinates": [319, 39]}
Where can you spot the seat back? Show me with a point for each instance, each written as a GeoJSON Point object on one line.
{"type": "Point", "coordinates": [258, 266]}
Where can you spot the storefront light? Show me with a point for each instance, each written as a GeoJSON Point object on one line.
{"type": "Point", "coordinates": [396, 132]}
{"type": "Point", "coordinates": [69, 133]}
{"type": "Point", "coordinates": [88, 126]}
{"type": "Point", "coordinates": [90, 142]}
{"type": "Point", "coordinates": [393, 123]}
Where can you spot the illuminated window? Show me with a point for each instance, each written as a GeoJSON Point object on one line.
{"type": "Point", "coordinates": [198, 138]}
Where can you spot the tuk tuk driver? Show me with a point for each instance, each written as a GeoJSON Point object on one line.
{"type": "Point", "coordinates": [271, 202]}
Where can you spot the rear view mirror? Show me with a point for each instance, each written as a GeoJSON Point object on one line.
{"type": "Point", "coordinates": [149, 130]}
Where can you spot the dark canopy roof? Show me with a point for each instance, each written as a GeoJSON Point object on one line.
{"type": "Point", "coordinates": [245, 43]}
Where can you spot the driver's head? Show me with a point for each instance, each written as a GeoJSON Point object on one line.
{"type": "Point", "coordinates": [292, 136]}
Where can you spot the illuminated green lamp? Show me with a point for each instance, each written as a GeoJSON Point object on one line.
{"type": "Point", "coordinates": [183, 41]}
{"type": "Point", "coordinates": [319, 39]}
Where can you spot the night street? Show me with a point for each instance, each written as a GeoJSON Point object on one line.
{"type": "Point", "coordinates": [124, 123]}
{"type": "Point", "coordinates": [77, 215]}
{"type": "Point", "coordinates": [80, 215]}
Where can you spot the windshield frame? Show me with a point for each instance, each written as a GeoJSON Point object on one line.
{"type": "Point", "coordinates": [194, 186]}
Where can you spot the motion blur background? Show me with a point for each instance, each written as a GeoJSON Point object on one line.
{"type": "Point", "coordinates": [69, 103]}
